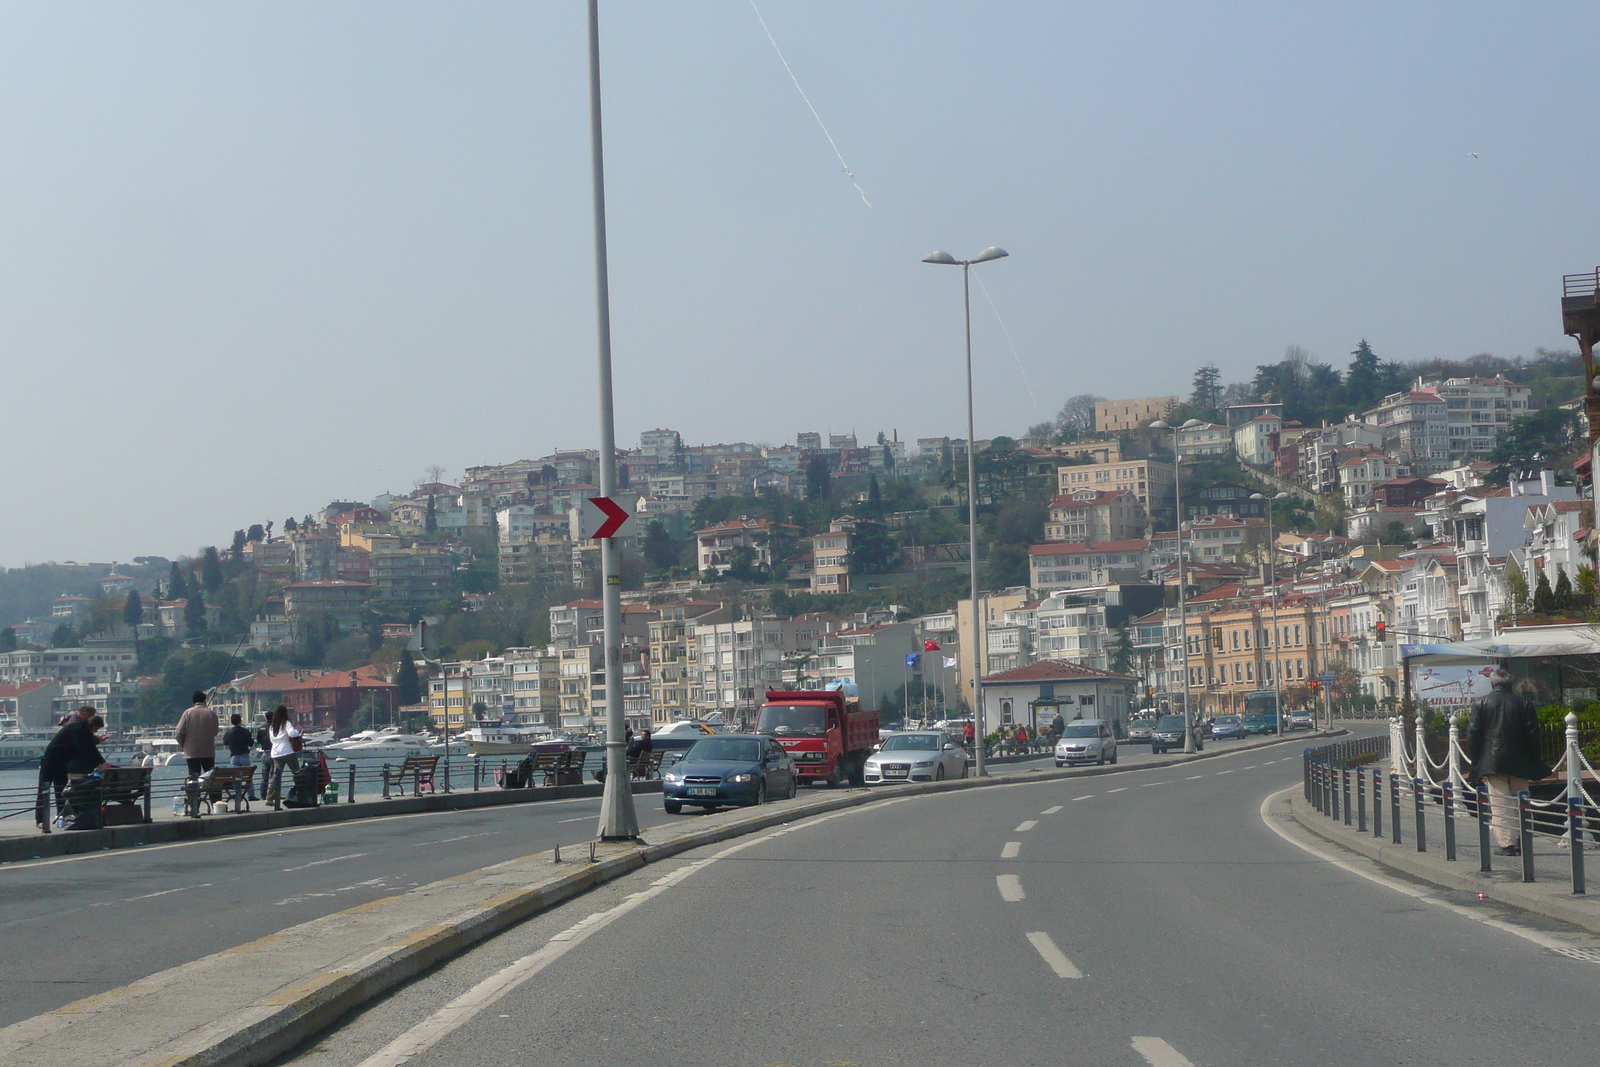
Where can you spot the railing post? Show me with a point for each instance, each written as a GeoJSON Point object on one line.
{"type": "Point", "coordinates": [1422, 826]}
{"type": "Point", "coordinates": [1422, 748]}
{"type": "Point", "coordinates": [477, 771]}
{"type": "Point", "coordinates": [1452, 758]}
{"type": "Point", "coordinates": [1394, 807]}
{"type": "Point", "coordinates": [350, 794]}
{"type": "Point", "coordinates": [1377, 802]}
{"type": "Point", "coordinates": [1333, 793]}
{"type": "Point", "coordinates": [1448, 793]}
{"type": "Point", "coordinates": [1305, 768]}
{"type": "Point", "coordinates": [1525, 825]}
{"type": "Point", "coordinates": [386, 781]}
{"type": "Point", "coordinates": [1397, 747]}
{"type": "Point", "coordinates": [1575, 828]}
{"type": "Point", "coordinates": [1344, 786]}
{"type": "Point", "coordinates": [1361, 800]}
{"type": "Point", "coordinates": [1485, 862]}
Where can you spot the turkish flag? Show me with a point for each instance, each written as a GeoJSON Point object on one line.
{"type": "Point", "coordinates": [930, 645]}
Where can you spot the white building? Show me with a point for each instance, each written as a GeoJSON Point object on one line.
{"type": "Point", "coordinates": [1207, 439]}
{"type": "Point", "coordinates": [527, 521]}
{"type": "Point", "coordinates": [1358, 474]}
{"type": "Point", "coordinates": [1256, 440]}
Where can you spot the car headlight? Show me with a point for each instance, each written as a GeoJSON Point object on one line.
{"type": "Point", "coordinates": [669, 777]}
{"type": "Point", "coordinates": [740, 779]}
{"type": "Point", "coordinates": [925, 763]}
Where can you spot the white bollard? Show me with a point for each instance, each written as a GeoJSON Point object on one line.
{"type": "Point", "coordinates": [1397, 749]}
{"type": "Point", "coordinates": [1456, 781]}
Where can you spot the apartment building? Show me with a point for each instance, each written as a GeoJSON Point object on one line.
{"type": "Point", "coordinates": [542, 561]}
{"type": "Point", "coordinates": [674, 656]}
{"type": "Point", "coordinates": [1053, 567]}
{"type": "Point", "coordinates": [1148, 480]}
{"type": "Point", "coordinates": [1207, 439]}
{"type": "Point", "coordinates": [1414, 427]}
{"type": "Point", "coordinates": [1121, 416]}
{"type": "Point", "coordinates": [326, 598]}
{"type": "Point", "coordinates": [1358, 474]}
{"type": "Point", "coordinates": [763, 541]}
{"type": "Point", "coordinates": [531, 689]}
{"type": "Point", "coordinates": [1088, 515]}
{"type": "Point", "coordinates": [93, 663]}
{"type": "Point", "coordinates": [1478, 410]}
{"type": "Point", "coordinates": [1553, 546]}
{"type": "Point", "coordinates": [407, 578]}
{"type": "Point", "coordinates": [1257, 440]}
{"type": "Point", "coordinates": [874, 656]}
{"type": "Point", "coordinates": [1233, 650]}
{"type": "Point", "coordinates": [830, 558]}
{"type": "Point", "coordinates": [735, 663]}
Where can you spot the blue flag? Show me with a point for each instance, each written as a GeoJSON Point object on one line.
{"type": "Point", "coordinates": [911, 660]}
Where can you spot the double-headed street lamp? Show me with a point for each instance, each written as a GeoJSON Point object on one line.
{"type": "Point", "coordinates": [992, 252]}
{"type": "Point", "coordinates": [1183, 614]}
{"type": "Point", "coordinates": [1277, 634]}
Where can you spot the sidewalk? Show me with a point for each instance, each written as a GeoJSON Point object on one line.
{"type": "Point", "coordinates": [1550, 894]}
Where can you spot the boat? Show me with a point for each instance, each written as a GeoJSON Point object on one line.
{"type": "Point", "coordinates": [495, 740]}
{"type": "Point", "coordinates": [387, 744]}
{"type": "Point", "coordinates": [22, 749]}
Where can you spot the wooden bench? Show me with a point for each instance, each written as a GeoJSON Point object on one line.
{"type": "Point", "coordinates": [234, 783]}
{"type": "Point", "coordinates": [125, 795]}
{"type": "Point", "coordinates": [647, 765]}
{"type": "Point", "coordinates": [418, 770]}
{"type": "Point", "coordinates": [568, 769]}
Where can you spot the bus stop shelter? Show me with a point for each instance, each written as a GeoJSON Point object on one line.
{"type": "Point", "coordinates": [1562, 660]}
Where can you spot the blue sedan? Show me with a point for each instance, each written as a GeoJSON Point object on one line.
{"type": "Point", "coordinates": [729, 769]}
{"type": "Point", "coordinates": [1227, 726]}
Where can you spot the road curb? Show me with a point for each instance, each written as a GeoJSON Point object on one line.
{"type": "Point", "coordinates": [1406, 860]}
{"type": "Point", "coordinates": [396, 939]}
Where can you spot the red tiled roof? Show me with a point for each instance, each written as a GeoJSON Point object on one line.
{"type": "Point", "coordinates": [364, 677]}
{"type": "Point", "coordinates": [11, 692]}
{"type": "Point", "coordinates": [1053, 670]}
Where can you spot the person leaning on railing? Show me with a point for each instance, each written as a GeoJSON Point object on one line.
{"type": "Point", "coordinates": [1502, 747]}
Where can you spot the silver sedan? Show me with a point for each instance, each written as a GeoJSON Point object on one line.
{"type": "Point", "coordinates": [916, 756]}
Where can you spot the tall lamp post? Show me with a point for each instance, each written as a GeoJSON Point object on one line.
{"type": "Point", "coordinates": [1277, 634]}
{"type": "Point", "coordinates": [618, 821]}
{"type": "Point", "coordinates": [1183, 613]}
{"type": "Point", "coordinates": [945, 258]}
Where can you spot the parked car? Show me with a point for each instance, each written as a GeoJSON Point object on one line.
{"type": "Point", "coordinates": [1227, 726]}
{"type": "Point", "coordinates": [1086, 740]}
{"type": "Point", "coordinates": [916, 756]}
{"type": "Point", "coordinates": [1139, 730]}
{"type": "Point", "coordinates": [729, 769]}
{"type": "Point", "coordinates": [1301, 720]}
{"type": "Point", "coordinates": [1260, 723]}
{"type": "Point", "coordinates": [1168, 734]}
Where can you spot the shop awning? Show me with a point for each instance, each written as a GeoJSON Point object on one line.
{"type": "Point", "coordinates": [1531, 642]}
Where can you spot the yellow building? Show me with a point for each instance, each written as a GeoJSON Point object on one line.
{"type": "Point", "coordinates": [1146, 479]}
{"type": "Point", "coordinates": [1120, 416]}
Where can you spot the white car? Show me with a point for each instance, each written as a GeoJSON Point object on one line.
{"type": "Point", "coordinates": [916, 756]}
{"type": "Point", "coordinates": [1087, 741]}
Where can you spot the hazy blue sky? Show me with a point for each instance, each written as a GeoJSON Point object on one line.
{"type": "Point", "coordinates": [254, 257]}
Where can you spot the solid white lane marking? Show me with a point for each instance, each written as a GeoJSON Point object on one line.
{"type": "Point", "coordinates": [1147, 785]}
{"type": "Point", "coordinates": [1011, 850]}
{"type": "Point", "coordinates": [1192, 777]}
{"type": "Point", "coordinates": [464, 1008]}
{"type": "Point", "coordinates": [319, 863]}
{"type": "Point", "coordinates": [1086, 796]}
{"type": "Point", "coordinates": [1118, 789]}
{"type": "Point", "coordinates": [1010, 887]}
{"type": "Point", "coordinates": [1157, 1053]}
{"type": "Point", "coordinates": [1024, 827]}
{"type": "Point", "coordinates": [1053, 956]}
{"type": "Point", "coordinates": [580, 818]}
{"type": "Point", "coordinates": [1542, 940]}
{"type": "Point", "coordinates": [1053, 810]}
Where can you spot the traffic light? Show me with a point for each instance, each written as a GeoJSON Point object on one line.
{"type": "Point", "coordinates": [1382, 630]}
{"type": "Point", "coordinates": [1315, 685]}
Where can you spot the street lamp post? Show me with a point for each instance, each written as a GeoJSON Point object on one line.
{"type": "Point", "coordinates": [1183, 613]}
{"type": "Point", "coordinates": [945, 258]}
{"type": "Point", "coordinates": [1277, 634]}
{"type": "Point", "coordinates": [618, 821]}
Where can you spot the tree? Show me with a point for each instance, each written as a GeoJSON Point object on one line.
{"type": "Point", "coordinates": [8, 639]}
{"type": "Point", "coordinates": [1534, 441]}
{"type": "Point", "coordinates": [133, 609]}
{"type": "Point", "coordinates": [1586, 580]}
{"type": "Point", "coordinates": [1122, 652]}
{"type": "Point", "coordinates": [289, 525]}
{"type": "Point", "coordinates": [1205, 396]}
{"type": "Point", "coordinates": [1563, 592]}
{"type": "Point", "coordinates": [255, 533]}
{"type": "Point", "coordinates": [211, 567]}
{"type": "Point", "coordinates": [874, 499]}
{"type": "Point", "coordinates": [407, 679]}
{"type": "Point", "coordinates": [431, 523]}
{"type": "Point", "coordinates": [1516, 589]}
{"type": "Point", "coordinates": [661, 550]}
{"type": "Point", "coordinates": [177, 588]}
{"type": "Point", "coordinates": [1362, 382]}
{"type": "Point", "coordinates": [239, 541]}
{"type": "Point", "coordinates": [819, 480]}
{"type": "Point", "coordinates": [888, 457]}
{"type": "Point", "coordinates": [64, 637]}
{"type": "Point", "coordinates": [194, 612]}
{"type": "Point", "coordinates": [1544, 601]}
{"type": "Point", "coordinates": [1076, 417]}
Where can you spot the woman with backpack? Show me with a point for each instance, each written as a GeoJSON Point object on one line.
{"type": "Point", "coordinates": [285, 752]}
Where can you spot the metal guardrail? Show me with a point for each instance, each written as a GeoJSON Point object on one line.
{"type": "Point", "coordinates": [1576, 285]}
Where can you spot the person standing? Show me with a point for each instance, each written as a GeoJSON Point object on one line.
{"type": "Point", "coordinates": [1503, 748]}
{"type": "Point", "coordinates": [66, 753]}
{"type": "Point", "coordinates": [197, 736]}
{"type": "Point", "coordinates": [238, 742]}
{"type": "Point", "coordinates": [285, 752]}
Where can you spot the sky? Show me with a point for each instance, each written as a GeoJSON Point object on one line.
{"type": "Point", "coordinates": [255, 257]}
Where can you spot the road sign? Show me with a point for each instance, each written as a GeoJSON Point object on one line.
{"type": "Point", "coordinates": [602, 517]}
{"type": "Point", "coordinates": [1326, 679]}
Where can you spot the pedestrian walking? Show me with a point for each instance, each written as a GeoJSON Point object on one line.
{"type": "Point", "coordinates": [285, 752]}
{"type": "Point", "coordinates": [967, 734]}
{"type": "Point", "coordinates": [73, 750]}
{"type": "Point", "coordinates": [1503, 749]}
{"type": "Point", "coordinates": [197, 736]}
{"type": "Point", "coordinates": [239, 742]}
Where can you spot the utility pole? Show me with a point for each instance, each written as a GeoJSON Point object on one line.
{"type": "Point", "coordinates": [618, 820]}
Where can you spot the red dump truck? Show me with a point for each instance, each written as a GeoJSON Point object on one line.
{"type": "Point", "coordinates": [827, 735]}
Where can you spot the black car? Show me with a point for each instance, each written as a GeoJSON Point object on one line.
{"type": "Point", "coordinates": [1168, 734]}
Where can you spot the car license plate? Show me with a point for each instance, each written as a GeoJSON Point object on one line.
{"type": "Point", "coordinates": [702, 790]}
{"type": "Point", "coordinates": [896, 774]}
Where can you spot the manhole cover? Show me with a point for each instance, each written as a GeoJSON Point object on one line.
{"type": "Point", "coordinates": [1587, 955]}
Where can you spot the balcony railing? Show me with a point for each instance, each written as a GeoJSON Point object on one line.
{"type": "Point", "coordinates": [1580, 285]}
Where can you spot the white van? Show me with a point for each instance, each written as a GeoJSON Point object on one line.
{"type": "Point", "coordinates": [1087, 741]}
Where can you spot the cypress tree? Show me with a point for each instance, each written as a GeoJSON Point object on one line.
{"type": "Point", "coordinates": [1544, 601]}
{"type": "Point", "coordinates": [1563, 593]}
{"type": "Point", "coordinates": [194, 612]}
{"type": "Point", "coordinates": [133, 609]}
{"type": "Point", "coordinates": [211, 568]}
{"type": "Point", "coordinates": [432, 521]}
{"type": "Point", "coordinates": [177, 588]}
{"type": "Point", "coordinates": [8, 639]}
{"type": "Point", "coordinates": [408, 680]}
{"type": "Point", "coordinates": [239, 539]}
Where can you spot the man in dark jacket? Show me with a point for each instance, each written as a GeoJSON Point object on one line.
{"type": "Point", "coordinates": [1503, 747]}
{"type": "Point", "coordinates": [71, 751]}
{"type": "Point", "coordinates": [238, 741]}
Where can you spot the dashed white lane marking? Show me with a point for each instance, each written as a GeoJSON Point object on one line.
{"type": "Point", "coordinates": [1086, 796]}
{"type": "Point", "coordinates": [1224, 772]}
{"type": "Point", "coordinates": [1011, 850]}
{"type": "Point", "coordinates": [1147, 785]}
{"type": "Point", "coordinates": [164, 892]}
{"type": "Point", "coordinates": [1192, 777]}
{"type": "Point", "coordinates": [1251, 767]}
{"type": "Point", "coordinates": [1053, 810]}
{"type": "Point", "coordinates": [1118, 789]}
{"type": "Point", "coordinates": [319, 863]}
{"type": "Point", "coordinates": [1157, 1053]}
{"type": "Point", "coordinates": [580, 818]}
{"type": "Point", "coordinates": [1540, 939]}
{"type": "Point", "coordinates": [1054, 956]}
{"type": "Point", "coordinates": [1024, 827]}
{"type": "Point", "coordinates": [1010, 887]}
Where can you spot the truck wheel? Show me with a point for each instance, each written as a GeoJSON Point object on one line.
{"type": "Point", "coordinates": [672, 807]}
{"type": "Point", "coordinates": [836, 776]}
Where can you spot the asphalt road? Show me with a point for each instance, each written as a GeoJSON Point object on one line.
{"type": "Point", "coordinates": [1145, 917]}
